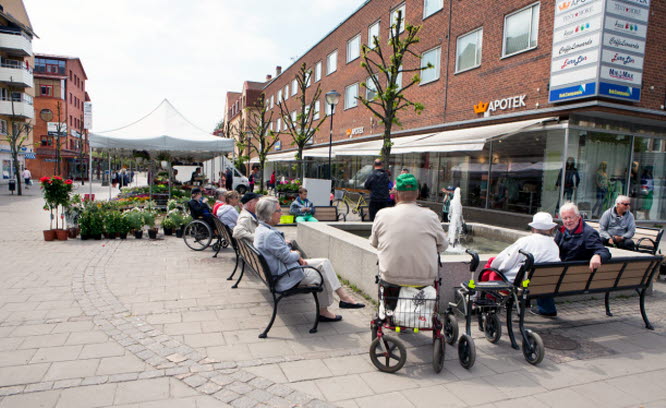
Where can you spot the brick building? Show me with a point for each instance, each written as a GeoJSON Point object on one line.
{"type": "Point", "coordinates": [16, 82]}
{"type": "Point", "coordinates": [60, 83]}
{"type": "Point", "coordinates": [519, 88]}
{"type": "Point", "coordinates": [239, 105]}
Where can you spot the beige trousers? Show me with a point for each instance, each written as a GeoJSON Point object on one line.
{"type": "Point", "coordinates": [331, 282]}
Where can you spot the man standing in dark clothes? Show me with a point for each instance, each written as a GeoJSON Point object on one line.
{"type": "Point", "coordinates": [230, 179]}
{"type": "Point", "coordinates": [378, 184]}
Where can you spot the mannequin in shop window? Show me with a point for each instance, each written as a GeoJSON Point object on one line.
{"type": "Point", "coordinates": [601, 182]}
{"type": "Point", "coordinates": [571, 179]}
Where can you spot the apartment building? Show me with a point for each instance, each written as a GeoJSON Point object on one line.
{"type": "Point", "coordinates": [239, 106]}
{"type": "Point", "coordinates": [16, 83]}
{"type": "Point", "coordinates": [60, 83]}
{"type": "Point", "coordinates": [518, 89]}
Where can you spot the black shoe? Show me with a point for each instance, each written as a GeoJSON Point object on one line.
{"type": "Point", "coordinates": [539, 313]}
{"type": "Point", "coordinates": [347, 305]}
{"type": "Point", "coordinates": [337, 318]}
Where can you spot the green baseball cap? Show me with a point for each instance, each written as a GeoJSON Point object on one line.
{"type": "Point", "coordinates": [406, 182]}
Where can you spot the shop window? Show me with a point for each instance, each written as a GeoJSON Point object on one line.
{"type": "Point", "coordinates": [521, 30]}
{"type": "Point", "coordinates": [373, 32]}
{"type": "Point", "coordinates": [430, 7]}
{"type": "Point", "coordinates": [351, 95]}
{"type": "Point", "coordinates": [332, 62]}
{"type": "Point", "coordinates": [430, 74]}
{"type": "Point", "coordinates": [647, 183]}
{"type": "Point", "coordinates": [354, 48]}
{"type": "Point", "coordinates": [468, 50]}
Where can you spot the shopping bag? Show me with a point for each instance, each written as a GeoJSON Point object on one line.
{"type": "Point", "coordinates": [415, 307]}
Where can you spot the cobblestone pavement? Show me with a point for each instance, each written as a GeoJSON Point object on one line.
{"type": "Point", "coordinates": [141, 323]}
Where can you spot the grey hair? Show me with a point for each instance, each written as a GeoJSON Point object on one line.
{"type": "Point", "coordinates": [266, 208]}
{"type": "Point", "coordinates": [568, 206]}
{"type": "Point", "coordinates": [621, 198]}
{"type": "Point", "coordinates": [220, 193]}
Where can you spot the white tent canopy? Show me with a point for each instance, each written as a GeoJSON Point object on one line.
{"type": "Point", "coordinates": [165, 130]}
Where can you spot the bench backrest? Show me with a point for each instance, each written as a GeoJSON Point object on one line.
{"type": "Point", "coordinates": [255, 261]}
{"type": "Point", "coordinates": [646, 238]}
{"type": "Point", "coordinates": [575, 278]}
{"type": "Point", "coordinates": [326, 213]}
{"type": "Point", "coordinates": [226, 233]}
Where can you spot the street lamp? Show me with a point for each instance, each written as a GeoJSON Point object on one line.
{"type": "Point", "coordinates": [332, 99]}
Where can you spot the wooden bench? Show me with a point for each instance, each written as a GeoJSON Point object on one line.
{"type": "Point", "coordinates": [220, 234]}
{"type": "Point", "coordinates": [257, 263]}
{"type": "Point", "coordinates": [227, 235]}
{"type": "Point", "coordinates": [322, 213]}
{"type": "Point", "coordinates": [647, 239]}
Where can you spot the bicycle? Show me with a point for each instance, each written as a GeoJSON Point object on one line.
{"type": "Point", "coordinates": [343, 204]}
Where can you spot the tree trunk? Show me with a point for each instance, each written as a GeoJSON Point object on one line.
{"type": "Point", "coordinates": [386, 146]}
{"type": "Point", "coordinates": [19, 189]}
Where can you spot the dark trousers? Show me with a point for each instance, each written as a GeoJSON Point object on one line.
{"type": "Point", "coordinates": [375, 206]}
{"type": "Point", "coordinates": [627, 244]}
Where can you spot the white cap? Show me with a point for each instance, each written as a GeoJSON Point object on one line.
{"type": "Point", "coordinates": [542, 221]}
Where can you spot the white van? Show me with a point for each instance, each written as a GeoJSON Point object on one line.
{"type": "Point", "coordinates": [240, 182]}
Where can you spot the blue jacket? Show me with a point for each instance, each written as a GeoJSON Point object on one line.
{"type": "Point", "coordinates": [297, 205]}
{"type": "Point", "coordinates": [581, 244]}
{"type": "Point", "coordinates": [279, 257]}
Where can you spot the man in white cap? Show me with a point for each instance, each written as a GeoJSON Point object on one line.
{"type": "Point", "coordinates": [539, 243]}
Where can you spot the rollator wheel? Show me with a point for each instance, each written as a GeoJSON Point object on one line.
{"type": "Point", "coordinates": [450, 328]}
{"type": "Point", "coordinates": [535, 356]}
{"type": "Point", "coordinates": [466, 351]}
{"type": "Point", "coordinates": [216, 246]}
{"type": "Point", "coordinates": [225, 243]}
{"type": "Point", "coordinates": [492, 328]}
{"type": "Point", "coordinates": [438, 351]}
{"type": "Point", "coordinates": [388, 354]}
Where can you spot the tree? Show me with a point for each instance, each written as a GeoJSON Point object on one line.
{"type": "Point", "coordinates": [238, 133]}
{"type": "Point", "coordinates": [59, 127]}
{"type": "Point", "coordinates": [303, 126]}
{"type": "Point", "coordinates": [386, 67]}
{"type": "Point", "coordinates": [262, 138]}
{"type": "Point", "coordinates": [17, 138]}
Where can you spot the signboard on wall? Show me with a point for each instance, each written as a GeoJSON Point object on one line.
{"type": "Point", "coordinates": [52, 128]}
{"type": "Point", "coordinates": [87, 115]}
{"type": "Point", "coordinates": [598, 49]}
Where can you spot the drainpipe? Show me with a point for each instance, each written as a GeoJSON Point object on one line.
{"type": "Point", "coordinates": [448, 59]}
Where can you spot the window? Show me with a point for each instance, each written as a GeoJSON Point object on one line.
{"type": "Point", "coordinates": [430, 7]}
{"type": "Point", "coordinates": [370, 88]}
{"type": "Point", "coordinates": [351, 93]}
{"type": "Point", "coordinates": [317, 72]}
{"type": "Point", "coordinates": [332, 62]}
{"type": "Point", "coordinates": [270, 126]}
{"type": "Point", "coordinates": [521, 30]}
{"type": "Point", "coordinates": [46, 90]}
{"type": "Point", "coordinates": [373, 31]}
{"type": "Point", "coordinates": [286, 123]}
{"type": "Point", "coordinates": [279, 96]}
{"type": "Point", "coordinates": [294, 87]}
{"type": "Point", "coordinates": [286, 92]}
{"type": "Point", "coordinates": [398, 80]}
{"type": "Point", "coordinates": [272, 102]}
{"type": "Point", "coordinates": [317, 109]}
{"type": "Point", "coordinates": [354, 48]}
{"type": "Point", "coordinates": [430, 74]}
{"type": "Point", "coordinates": [3, 126]}
{"type": "Point", "coordinates": [278, 124]}
{"type": "Point", "coordinates": [327, 108]}
{"type": "Point", "coordinates": [400, 10]}
{"type": "Point", "coordinates": [468, 52]}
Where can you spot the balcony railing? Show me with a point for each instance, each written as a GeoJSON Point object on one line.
{"type": "Point", "coordinates": [22, 106]}
{"type": "Point", "coordinates": [15, 43]}
{"type": "Point", "coordinates": [16, 75]}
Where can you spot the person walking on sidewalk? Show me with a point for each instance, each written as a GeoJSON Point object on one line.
{"type": "Point", "coordinates": [378, 184]}
{"type": "Point", "coordinates": [27, 177]}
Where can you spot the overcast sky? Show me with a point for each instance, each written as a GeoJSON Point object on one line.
{"type": "Point", "coordinates": [137, 52]}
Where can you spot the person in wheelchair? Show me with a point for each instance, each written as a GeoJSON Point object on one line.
{"type": "Point", "coordinates": [199, 210]}
{"type": "Point", "coordinates": [408, 239]}
{"type": "Point", "coordinates": [280, 258]}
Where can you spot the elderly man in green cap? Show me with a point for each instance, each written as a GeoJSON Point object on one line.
{"type": "Point", "coordinates": [408, 238]}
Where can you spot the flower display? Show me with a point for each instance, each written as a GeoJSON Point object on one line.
{"type": "Point", "coordinates": [56, 192]}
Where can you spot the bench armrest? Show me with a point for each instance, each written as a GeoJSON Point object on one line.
{"type": "Point", "coordinates": [638, 243]}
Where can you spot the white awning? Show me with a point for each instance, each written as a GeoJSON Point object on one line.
{"type": "Point", "coordinates": [471, 139]}
{"type": "Point", "coordinates": [321, 151]}
{"type": "Point", "coordinates": [374, 147]}
{"type": "Point", "coordinates": [286, 156]}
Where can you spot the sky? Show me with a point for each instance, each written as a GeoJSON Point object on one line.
{"type": "Point", "coordinates": [192, 52]}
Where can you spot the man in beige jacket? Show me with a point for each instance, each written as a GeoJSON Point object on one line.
{"type": "Point", "coordinates": [408, 238]}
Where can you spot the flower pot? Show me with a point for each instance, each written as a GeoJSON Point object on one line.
{"type": "Point", "coordinates": [97, 236]}
{"type": "Point", "coordinates": [168, 231]}
{"type": "Point", "coordinates": [49, 235]}
{"type": "Point", "coordinates": [109, 236]}
{"type": "Point", "coordinates": [72, 232]}
{"type": "Point", "coordinates": [122, 235]}
{"type": "Point", "coordinates": [179, 232]}
{"type": "Point", "coordinates": [152, 233]}
{"type": "Point", "coordinates": [85, 237]}
{"type": "Point", "coordinates": [61, 234]}
{"type": "Point", "coordinates": [138, 234]}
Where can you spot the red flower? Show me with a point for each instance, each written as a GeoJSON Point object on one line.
{"type": "Point", "coordinates": [44, 179]}
{"type": "Point", "coordinates": [57, 178]}
{"type": "Point", "coordinates": [68, 181]}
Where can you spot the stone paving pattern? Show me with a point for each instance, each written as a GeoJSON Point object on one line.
{"type": "Point", "coordinates": [142, 323]}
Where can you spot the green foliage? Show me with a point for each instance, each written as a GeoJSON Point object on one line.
{"type": "Point", "coordinates": [113, 222]}
{"type": "Point", "coordinates": [177, 217]}
{"type": "Point", "coordinates": [149, 218]}
{"type": "Point", "coordinates": [169, 223]}
{"type": "Point", "coordinates": [91, 220]}
{"type": "Point", "coordinates": [134, 219]}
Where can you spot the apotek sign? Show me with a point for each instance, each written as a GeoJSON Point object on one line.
{"type": "Point", "coordinates": [513, 102]}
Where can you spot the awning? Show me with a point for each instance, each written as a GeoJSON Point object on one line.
{"type": "Point", "coordinates": [471, 139]}
{"type": "Point", "coordinates": [374, 147]}
{"type": "Point", "coordinates": [286, 156]}
{"type": "Point", "coordinates": [321, 151]}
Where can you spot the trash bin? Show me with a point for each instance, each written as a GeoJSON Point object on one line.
{"type": "Point", "coordinates": [12, 185]}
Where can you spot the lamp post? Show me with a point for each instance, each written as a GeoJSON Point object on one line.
{"type": "Point", "coordinates": [332, 99]}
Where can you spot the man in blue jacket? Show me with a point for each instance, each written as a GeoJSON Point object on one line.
{"type": "Point", "coordinates": [577, 242]}
{"type": "Point", "coordinates": [378, 184]}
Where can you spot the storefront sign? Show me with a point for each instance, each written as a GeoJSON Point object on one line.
{"type": "Point", "coordinates": [598, 49]}
{"type": "Point", "coordinates": [354, 131]}
{"type": "Point", "coordinates": [278, 145]}
{"type": "Point", "coordinates": [513, 102]}
{"type": "Point", "coordinates": [52, 128]}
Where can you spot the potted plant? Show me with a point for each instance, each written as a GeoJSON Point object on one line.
{"type": "Point", "coordinates": [135, 220]}
{"type": "Point", "coordinates": [168, 225]}
{"type": "Point", "coordinates": [149, 221]}
{"type": "Point", "coordinates": [186, 220]}
{"type": "Point", "coordinates": [56, 191]}
{"type": "Point", "coordinates": [112, 224]}
{"type": "Point", "coordinates": [72, 213]}
{"type": "Point", "coordinates": [123, 227]}
{"type": "Point", "coordinates": [91, 222]}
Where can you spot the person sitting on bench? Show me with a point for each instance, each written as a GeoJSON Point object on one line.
{"type": "Point", "coordinates": [280, 258]}
{"type": "Point", "coordinates": [617, 225]}
{"type": "Point", "coordinates": [302, 208]}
